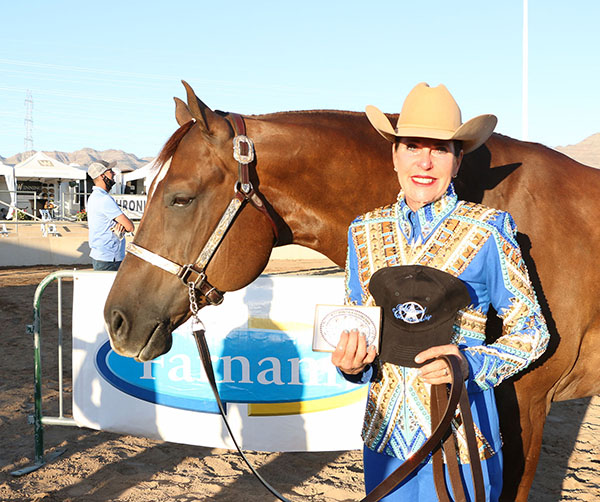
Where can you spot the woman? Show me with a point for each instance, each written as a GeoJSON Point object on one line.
{"type": "Point", "coordinates": [429, 226]}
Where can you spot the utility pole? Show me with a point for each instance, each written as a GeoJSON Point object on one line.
{"type": "Point", "coordinates": [28, 125]}
{"type": "Point", "coordinates": [525, 90]}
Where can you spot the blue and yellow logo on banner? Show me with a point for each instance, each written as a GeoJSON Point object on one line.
{"type": "Point", "coordinates": [270, 366]}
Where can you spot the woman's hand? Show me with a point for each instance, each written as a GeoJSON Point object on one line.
{"type": "Point", "coordinates": [351, 354]}
{"type": "Point", "coordinates": [438, 371]}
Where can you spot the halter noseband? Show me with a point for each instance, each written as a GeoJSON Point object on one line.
{"type": "Point", "coordinates": [193, 275]}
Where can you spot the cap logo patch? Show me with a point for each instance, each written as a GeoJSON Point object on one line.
{"type": "Point", "coordinates": [410, 312]}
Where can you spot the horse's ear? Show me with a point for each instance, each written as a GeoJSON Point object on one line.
{"type": "Point", "coordinates": [203, 114]}
{"type": "Point", "coordinates": [182, 112]}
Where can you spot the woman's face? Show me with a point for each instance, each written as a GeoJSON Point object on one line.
{"type": "Point", "coordinates": [425, 168]}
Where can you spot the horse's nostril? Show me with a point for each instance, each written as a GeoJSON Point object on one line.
{"type": "Point", "coordinates": [118, 323]}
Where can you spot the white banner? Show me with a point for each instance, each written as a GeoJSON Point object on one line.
{"type": "Point", "coordinates": [133, 206]}
{"type": "Point", "coordinates": [278, 393]}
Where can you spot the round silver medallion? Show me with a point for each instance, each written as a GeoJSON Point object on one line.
{"type": "Point", "coordinates": [335, 322]}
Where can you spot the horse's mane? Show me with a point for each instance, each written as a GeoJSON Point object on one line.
{"type": "Point", "coordinates": [304, 112]}
{"type": "Point", "coordinates": [172, 143]}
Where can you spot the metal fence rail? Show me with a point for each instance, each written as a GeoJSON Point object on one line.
{"type": "Point", "coordinates": [38, 420]}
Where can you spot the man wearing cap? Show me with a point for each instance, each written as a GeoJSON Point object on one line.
{"type": "Point", "coordinates": [429, 234]}
{"type": "Point", "coordinates": [106, 222]}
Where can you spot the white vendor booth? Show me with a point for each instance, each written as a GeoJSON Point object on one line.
{"type": "Point", "coordinates": [42, 178]}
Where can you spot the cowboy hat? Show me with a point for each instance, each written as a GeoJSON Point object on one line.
{"type": "Point", "coordinates": [432, 112]}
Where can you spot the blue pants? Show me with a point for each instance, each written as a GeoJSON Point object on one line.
{"type": "Point", "coordinates": [419, 486]}
{"type": "Point", "coordinates": [105, 265]}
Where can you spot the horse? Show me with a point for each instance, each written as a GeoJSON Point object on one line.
{"type": "Point", "coordinates": [313, 173]}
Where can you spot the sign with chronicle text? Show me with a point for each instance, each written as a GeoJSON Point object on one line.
{"type": "Point", "coordinates": [133, 206]}
{"type": "Point", "coordinates": [279, 394]}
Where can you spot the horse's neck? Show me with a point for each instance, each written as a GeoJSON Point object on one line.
{"type": "Point", "coordinates": [320, 170]}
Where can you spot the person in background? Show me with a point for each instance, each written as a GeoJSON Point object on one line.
{"type": "Point", "coordinates": [106, 222]}
{"type": "Point", "coordinates": [429, 226]}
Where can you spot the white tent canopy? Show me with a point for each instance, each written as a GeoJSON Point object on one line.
{"type": "Point", "coordinates": [41, 165]}
{"type": "Point", "coordinates": [9, 174]}
{"type": "Point", "coordinates": [4, 169]}
{"type": "Point", "coordinates": [60, 179]}
{"type": "Point", "coordinates": [147, 172]}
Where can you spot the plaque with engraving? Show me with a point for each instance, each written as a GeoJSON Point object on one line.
{"type": "Point", "coordinates": [331, 320]}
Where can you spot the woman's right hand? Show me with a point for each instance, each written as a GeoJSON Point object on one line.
{"type": "Point", "coordinates": [351, 355]}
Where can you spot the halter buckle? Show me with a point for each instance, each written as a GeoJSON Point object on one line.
{"type": "Point", "coordinates": [243, 188]}
{"type": "Point", "coordinates": [238, 154]}
{"type": "Point", "coordinates": [185, 275]}
{"type": "Point", "coordinates": [218, 294]}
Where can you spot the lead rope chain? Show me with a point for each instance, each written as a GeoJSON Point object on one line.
{"type": "Point", "coordinates": [199, 334]}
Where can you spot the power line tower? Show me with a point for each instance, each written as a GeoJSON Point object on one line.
{"type": "Point", "coordinates": [28, 125]}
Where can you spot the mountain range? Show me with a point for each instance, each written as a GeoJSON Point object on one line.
{"type": "Point", "coordinates": [586, 151]}
{"type": "Point", "coordinates": [125, 161]}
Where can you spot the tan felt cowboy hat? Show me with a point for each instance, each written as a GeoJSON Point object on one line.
{"type": "Point", "coordinates": [431, 112]}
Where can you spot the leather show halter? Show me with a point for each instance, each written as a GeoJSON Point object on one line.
{"type": "Point", "coordinates": [193, 276]}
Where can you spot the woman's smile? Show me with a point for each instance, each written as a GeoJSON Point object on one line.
{"type": "Point", "coordinates": [423, 180]}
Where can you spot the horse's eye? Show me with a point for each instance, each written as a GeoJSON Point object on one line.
{"type": "Point", "coordinates": [181, 200]}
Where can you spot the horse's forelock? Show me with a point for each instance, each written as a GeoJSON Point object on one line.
{"type": "Point", "coordinates": [172, 143]}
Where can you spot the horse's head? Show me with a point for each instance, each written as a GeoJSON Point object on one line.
{"type": "Point", "coordinates": [188, 197]}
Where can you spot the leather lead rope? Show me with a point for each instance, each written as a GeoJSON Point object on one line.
{"type": "Point", "coordinates": [207, 363]}
{"type": "Point", "coordinates": [440, 399]}
{"type": "Point", "coordinates": [440, 435]}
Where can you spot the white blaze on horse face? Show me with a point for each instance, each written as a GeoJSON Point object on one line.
{"type": "Point", "coordinates": [163, 172]}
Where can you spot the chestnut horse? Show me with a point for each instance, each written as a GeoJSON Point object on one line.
{"type": "Point", "coordinates": [316, 171]}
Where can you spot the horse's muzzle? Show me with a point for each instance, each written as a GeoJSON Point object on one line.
{"type": "Point", "coordinates": [148, 342]}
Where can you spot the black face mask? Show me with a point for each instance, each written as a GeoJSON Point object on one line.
{"type": "Point", "coordinates": [109, 183]}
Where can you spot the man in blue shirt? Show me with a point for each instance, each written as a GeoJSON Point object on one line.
{"type": "Point", "coordinates": [106, 222]}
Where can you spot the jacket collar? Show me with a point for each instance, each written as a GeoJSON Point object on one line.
{"type": "Point", "coordinates": [419, 225]}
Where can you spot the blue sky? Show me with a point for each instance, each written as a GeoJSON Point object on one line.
{"type": "Point", "coordinates": [103, 74]}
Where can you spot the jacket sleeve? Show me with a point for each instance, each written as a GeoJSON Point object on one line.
{"type": "Point", "coordinates": [524, 332]}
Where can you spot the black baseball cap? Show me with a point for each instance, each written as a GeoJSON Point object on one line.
{"type": "Point", "coordinates": [419, 306]}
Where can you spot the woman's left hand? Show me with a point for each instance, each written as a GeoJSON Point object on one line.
{"type": "Point", "coordinates": [438, 370]}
